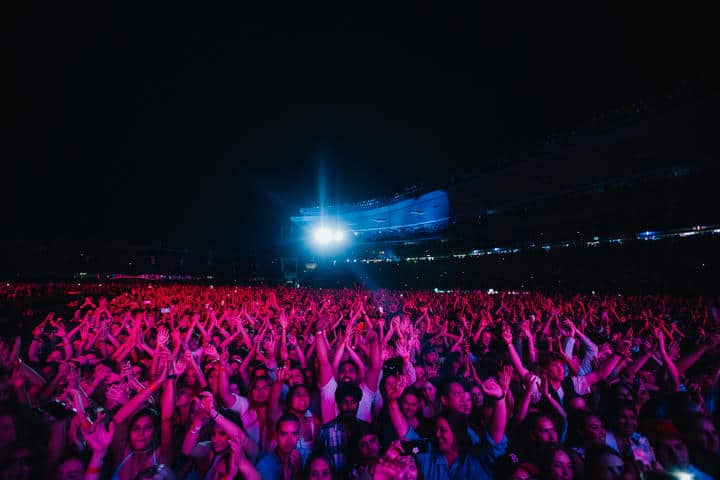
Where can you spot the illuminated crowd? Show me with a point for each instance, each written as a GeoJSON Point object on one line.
{"type": "Point", "coordinates": [162, 381]}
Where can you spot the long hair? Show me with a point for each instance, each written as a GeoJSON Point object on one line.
{"type": "Point", "coordinates": [459, 427]}
{"type": "Point", "coordinates": [155, 417]}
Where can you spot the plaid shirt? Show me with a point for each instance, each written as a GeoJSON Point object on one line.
{"type": "Point", "coordinates": [333, 438]}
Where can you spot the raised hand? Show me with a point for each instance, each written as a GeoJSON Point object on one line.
{"type": "Point", "coordinates": [97, 436]}
{"type": "Point", "coordinates": [394, 392]}
{"type": "Point", "coordinates": [162, 336]}
{"type": "Point", "coordinates": [491, 388]}
{"type": "Point", "coordinates": [504, 378]}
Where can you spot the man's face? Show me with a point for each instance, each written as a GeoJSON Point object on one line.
{"type": "Point", "coordinates": [545, 431]}
{"type": "Point", "coordinates": [455, 399]}
{"type": "Point", "coordinates": [288, 434]}
{"type": "Point", "coordinates": [556, 371]}
{"type": "Point", "coordinates": [348, 373]}
{"type": "Point", "coordinates": [348, 407]}
{"type": "Point", "coordinates": [369, 447]}
{"type": "Point", "coordinates": [627, 422]}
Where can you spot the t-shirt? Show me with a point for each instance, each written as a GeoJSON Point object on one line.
{"type": "Point", "coordinates": [249, 417]}
{"type": "Point", "coordinates": [329, 406]}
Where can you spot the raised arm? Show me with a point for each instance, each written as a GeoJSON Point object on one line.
{"type": "Point", "coordinates": [514, 357]}
{"type": "Point", "coordinates": [498, 419]}
{"type": "Point", "coordinates": [321, 349]}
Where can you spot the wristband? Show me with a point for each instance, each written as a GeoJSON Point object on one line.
{"type": "Point", "coordinates": [92, 470]}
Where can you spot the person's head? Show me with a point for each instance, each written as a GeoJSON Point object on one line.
{"type": "Point", "coordinates": [541, 429]}
{"type": "Point", "coordinates": [430, 357]}
{"type": "Point", "coordinates": [287, 433]}
{"type": "Point", "coordinates": [348, 372]}
{"type": "Point", "coordinates": [298, 398]}
{"type": "Point", "coordinates": [368, 446]}
{"type": "Point", "coordinates": [260, 390]}
{"type": "Point", "coordinates": [577, 404]}
{"type": "Point", "coordinates": [71, 468]}
{"type": "Point", "coordinates": [672, 452]}
{"type": "Point", "coordinates": [347, 397]}
{"type": "Point", "coordinates": [429, 391]}
{"type": "Point", "coordinates": [486, 338]}
{"type": "Point", "coordinates": [452, 396]}
{"type": "Point", "coordinates": [144, 431]}
{"type": "Point", "coordinates": [319, 467]}
{"type": "Point", "coordinates": [451, 432]}
{"type": "Point", "coordinates": [623, 419]}
{"type": "Point", "coordinates": [593, 431]}
{"type": "Point", "coordinates": [622, 392]}
{"type": "Point", "coordinates": [410, 402]}
{"type": "Point", "coordinates": [295, 376]}
{"type": "Point", "coordinates": [603, 463]}
{"type": "Point", "coordinates": [553, 366]}
{"type": "Point", "coordinates": [555, 463]}
{"type": "Point", "coordinates": [476, 394]}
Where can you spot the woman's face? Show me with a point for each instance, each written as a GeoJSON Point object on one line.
{"type": "Point", "coordinates": [561, 467]}
{"type": "Point", "coordinates": [429, 392]}
{"type": "Point", "coordinates": [477, 396]}
{"type": "Point", "coordinates": [295, 377]}
{"type": "Point", "coordinates": [444, 435]}
{"type": "Point", "coordinates": [219, 439]}
{"type": "Point", "coordinates": [410, 404]}
{"type": "Point", "coordinates": [300, 400]}
{"type": "Point", "coordinates": [319, 470]}
{"type": "Point", "coordinates": [594, 430]}
{"type": "Point", "coordinates": [141, 433]}
{"type": "Point", "coordinates": [71, 469]}
{"type": "Point", "coordinates": [261, 391]}
{"type": "Point", "coordinates": [468, 403]}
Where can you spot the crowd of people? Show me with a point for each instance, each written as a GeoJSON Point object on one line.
{"type": "Point", "coordinates": [202, 382]}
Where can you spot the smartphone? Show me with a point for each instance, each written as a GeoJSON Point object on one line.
{"type": "Point", "coordinates": [165, 310]}
{"type": "Point", "coordinates": [414, 447]}
{"type": "Point", "coordinates": [58, 410]}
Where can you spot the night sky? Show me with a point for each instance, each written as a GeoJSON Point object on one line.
{"type": "Point", "coordinates": [202, 126]}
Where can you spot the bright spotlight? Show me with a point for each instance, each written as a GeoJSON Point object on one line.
{"type": "Point", "coordinates": [339, 236]}
{"type": "Point", "coordinates": [323, 236]}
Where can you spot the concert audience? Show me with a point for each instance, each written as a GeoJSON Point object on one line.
{"type": "Point", "coordinates": [201, 382]}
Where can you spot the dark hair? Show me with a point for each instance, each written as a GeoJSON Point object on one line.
{"type": "Point", "coordinates": [592, 457]}
{"type": "Point", "coordinates": [347, 389]}
{"type": "Point", "coordinates": [293, 390]}
{"type": "Point", "coordinates": [546, 456]}
{"type": "Point", "coordinates": [459, 427]}
{"type": "Point", "coordinates": [286, 418]}
{"type": "Point", "coordinates": [444, 389]}
{"type": "Point", "coordinates": [155, 417]}
{"type": "Point", "coordinates": [314, 456]}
